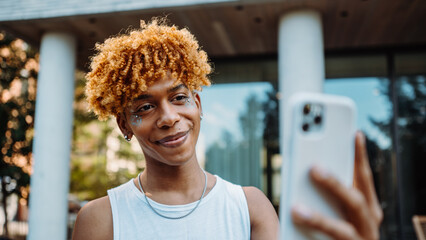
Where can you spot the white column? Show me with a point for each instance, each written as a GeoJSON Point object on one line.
{"type": "Point", "coordinates": [300, 53]}
{"type": "Point", "coordinates": [52, 140]}
{"type": "Point", "coordinates": [300, 68]}
{"type": "Point", "coordinates": [300, 58]}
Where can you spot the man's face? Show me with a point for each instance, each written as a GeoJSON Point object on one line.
{"type": "Point", "coordinates": [165, 120]}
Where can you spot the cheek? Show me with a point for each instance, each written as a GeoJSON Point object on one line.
{"type": "Point", "coordinates": [135, 120]}
{"type": "Point", "coordinates": [189, 103]}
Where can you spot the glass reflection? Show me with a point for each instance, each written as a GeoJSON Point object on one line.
{"type": "Point", "coordinates": [232, 131]}
{"type": "Point", "coordinates": [374, 104]}
{"type": "Point", "coordinates": [239, 139]}
{"type": "Point", "coordinates": [411, 128]}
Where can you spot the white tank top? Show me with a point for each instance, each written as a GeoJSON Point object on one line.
{"type": "Point", "coordinates": [222, 214]}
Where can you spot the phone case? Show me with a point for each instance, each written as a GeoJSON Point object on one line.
{"type": "Point", "coordinates": [321, 130]}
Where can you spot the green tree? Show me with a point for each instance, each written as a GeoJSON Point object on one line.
{"type": "Point", "coordinates": [90, 177]}
{"type": "Point", "coordinates": [270, 136]}
{"type": "Point", "coordinates": [18, 73]}
{"type": "Point", "coordinates": [410, 124]}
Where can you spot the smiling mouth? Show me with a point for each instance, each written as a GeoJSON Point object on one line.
{"type": "Point", "coordinates": [173, 140]}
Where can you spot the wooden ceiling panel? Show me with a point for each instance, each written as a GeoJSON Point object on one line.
{"type": "Point", "coordinates": [260, 25]}
{"type": "Point", "coordinates": [251, 27]}
{"type": "Point", "coordinates": [417, 17]}
{"type": "Point", "coordinates": [200, 25]}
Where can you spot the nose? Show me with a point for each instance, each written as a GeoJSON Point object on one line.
{"type": "Point", "coordinates": [168, 116]}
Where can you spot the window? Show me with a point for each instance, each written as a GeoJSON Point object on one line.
{"type": "Point", "coordinates": [232, 131]}
{"type": "Point", "coordinates": [375, 111]}
{"type": "Point", "coordinates": [240, 131]}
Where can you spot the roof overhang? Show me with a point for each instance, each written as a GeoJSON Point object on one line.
{"type": "Point", "coordinates": [225, 28]}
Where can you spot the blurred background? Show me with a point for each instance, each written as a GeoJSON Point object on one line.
{"type": "Point", "coordinates": [374, 53]}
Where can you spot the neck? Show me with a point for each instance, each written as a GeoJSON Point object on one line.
{"type": "Point", "coordinates": [173, 184]}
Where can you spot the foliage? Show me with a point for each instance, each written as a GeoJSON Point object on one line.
{"type": "Point", "coordinates": [90, 176]}
{"type": "Point", "coordinates": [18, 73]}
{"type": "Point", "coordinates": [90, 181]}
{"type": "Point", "coordinates": [410, 127]}
{"type": "Point", "coordinates": [271, 123]}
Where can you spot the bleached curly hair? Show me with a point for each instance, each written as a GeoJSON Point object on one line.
{"type": "Point", "coordinates": [127, 65]}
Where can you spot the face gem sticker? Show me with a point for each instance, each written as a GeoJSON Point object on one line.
{"type": "Point", "coordinates": [189, 103]}
{"type": "Point", "coordinates": [135, 120]}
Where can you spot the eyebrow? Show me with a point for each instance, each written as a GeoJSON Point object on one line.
{"type": "Point", "coordinates": [173, 89]}
{"type": "Point", "coordinates": [143, 97]}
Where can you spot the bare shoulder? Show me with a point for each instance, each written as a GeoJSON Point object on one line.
{"type": "Point", "coordinates": [94, 221]}
{"type": "Point", "coordinates": [263, 218]}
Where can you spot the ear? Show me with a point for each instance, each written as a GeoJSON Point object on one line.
{"type": "Point", "coordinates": [198, 102]}
{"type": "Point", "coordinates": [123, 125]}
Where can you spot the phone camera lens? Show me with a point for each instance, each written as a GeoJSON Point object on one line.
{"type": "Point", "coordinates": [307, 109]}
{"type": "Point", "coordinates": [305, 127]}
{"type": "Point", "coordinates": [318, 119]}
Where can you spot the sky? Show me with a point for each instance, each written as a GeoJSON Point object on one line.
{"type": "Point", "coordinates": [370, 102]}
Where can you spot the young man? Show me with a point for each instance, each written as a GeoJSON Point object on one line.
{"type": "Point", "coordinates": [148, 81]}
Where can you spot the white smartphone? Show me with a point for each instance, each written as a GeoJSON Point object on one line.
{"type": "Point", "coordinates": [320, 130]}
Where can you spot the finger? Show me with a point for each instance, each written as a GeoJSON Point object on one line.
{"type": "Point", "coordinates": [363, 177]}
{"type": "Point", "coordinates": [352, 201]}
{"type": "Point", "coordinates": [336, 229]}
{"type": "Point", "coordinates": [348, 197]}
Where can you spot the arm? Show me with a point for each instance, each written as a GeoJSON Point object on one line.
{"type": "Point", "coordinates": [94, 221]}
{"type": "Point", "coordinates": [263, 218]}
{"type": "Point", "coordinates": [363, 214]}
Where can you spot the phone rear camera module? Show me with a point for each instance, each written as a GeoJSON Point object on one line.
{"type": "Point", "coordinates": [307, 109]}
{"type": "Point", "coordinates": [318, 119]}
{"type": "Point", "coordinates": [305, 127]}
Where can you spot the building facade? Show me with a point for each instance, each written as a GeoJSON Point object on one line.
{"type": "Point", "coordinates": [373, 51]}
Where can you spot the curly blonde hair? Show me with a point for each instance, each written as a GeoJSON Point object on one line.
{"type": "Point", "coordinates": [127, 65]}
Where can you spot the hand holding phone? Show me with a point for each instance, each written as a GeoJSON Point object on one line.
{"type": "Point", "coordinates": [321, 131]}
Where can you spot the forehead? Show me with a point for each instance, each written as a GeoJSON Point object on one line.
{"type": "Point", "coordinates": [163, 86]}
{"type": "Point", "coordinates": [166, 84]}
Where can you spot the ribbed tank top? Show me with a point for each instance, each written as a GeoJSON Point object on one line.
{"type": "Point", "coordinates": [222, 214]}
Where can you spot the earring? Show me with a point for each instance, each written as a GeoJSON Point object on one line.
{"type": "Point", "coordinates": [127, 138]}
{"type": "Point", "coordinates": [201, 117]}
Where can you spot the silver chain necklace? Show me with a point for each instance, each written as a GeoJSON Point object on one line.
{"type": "Point", "coordinates": [179, 217]}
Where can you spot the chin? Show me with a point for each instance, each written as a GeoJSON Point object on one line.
{"type": "Point", "coordinates": [178, 159]}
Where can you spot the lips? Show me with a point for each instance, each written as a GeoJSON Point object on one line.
{"type": "Point", "coordinates": [173, 140]}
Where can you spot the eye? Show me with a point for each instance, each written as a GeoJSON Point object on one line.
{"type": "Point", "coordinates": [144, 108]}
{"type": "Point", "coordinates": [180, 98]}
